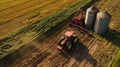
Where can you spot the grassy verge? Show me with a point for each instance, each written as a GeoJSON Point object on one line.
{"type": "Point", "coordinates": [116, 62]}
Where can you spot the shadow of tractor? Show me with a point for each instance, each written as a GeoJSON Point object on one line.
{"type": "Point", "coordinates": [80, 53]}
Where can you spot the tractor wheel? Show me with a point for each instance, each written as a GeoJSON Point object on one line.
{"type": "Point", "coordinates": [69, 47]}
{"type": "Point", "coordinates": [75, 40]}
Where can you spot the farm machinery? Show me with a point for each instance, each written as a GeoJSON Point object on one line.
{"type": "Point", "coordinates": [67, 41]}
{"type": "Point", "coordinates": [78, 22]}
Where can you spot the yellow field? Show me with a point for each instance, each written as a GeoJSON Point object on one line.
{"type": "Point", "coordinates": [10, 3]}
{"type": "Point", "coordinates": [17, 16]}
{"type": "Point", "coordinates": [4, 1]}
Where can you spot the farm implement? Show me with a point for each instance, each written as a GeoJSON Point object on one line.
{"type": "Point", "coordinates": [78, 22]}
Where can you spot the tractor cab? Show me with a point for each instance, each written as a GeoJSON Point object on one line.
{"type": "Point", "coordinates": [67, 41]}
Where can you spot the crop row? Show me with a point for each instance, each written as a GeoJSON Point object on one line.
{"type": "Point", "coordinates": [5, 1]}
{"type": "Point", "coordinates": [21, 9]}
{"type": "Point", "coordinates": [11, 4]}
{"type": "Point", "coordinates": [33, 30]}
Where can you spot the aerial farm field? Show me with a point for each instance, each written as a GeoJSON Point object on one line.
{"type": "Point", "coordinates": [18, 13]}
{"type": "Point", "coordinates": [18, 32]}
{"type": "Point", "coordinates": [30, 31]}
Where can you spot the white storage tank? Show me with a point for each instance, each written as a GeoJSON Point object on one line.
{"type": "Point", "coordinates": [102, 22]}
{"type": "Point", "coordinates": [91, 16]}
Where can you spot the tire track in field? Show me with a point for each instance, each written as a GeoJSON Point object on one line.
{"type": "Point", "coordinates": [31, 58]}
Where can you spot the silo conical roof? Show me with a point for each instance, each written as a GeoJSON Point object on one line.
{"type": "Point", "coordinates": [92, 9]}
{"type": "Point", "coordinates": [104, 15]}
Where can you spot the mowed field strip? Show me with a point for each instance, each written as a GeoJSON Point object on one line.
{"type": "Point", "coordinates": [12, 19]}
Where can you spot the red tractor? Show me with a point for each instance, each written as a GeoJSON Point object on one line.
{"type": "Point", "coordinates": [67, 41]}
{"type": "Point", "coordinates": [78, 22]}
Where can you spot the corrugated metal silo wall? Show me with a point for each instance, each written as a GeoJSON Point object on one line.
{"type": "Point", "coordinates": [90, 19]}
{"type": "Point", "coordinates": [101, 25]}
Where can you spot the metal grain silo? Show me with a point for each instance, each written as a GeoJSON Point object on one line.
{"type": "Point", "coordinates": [91, 16]}
{"type": "Point", "coordinates": [102, 22]}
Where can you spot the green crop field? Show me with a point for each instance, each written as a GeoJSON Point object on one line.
{"type": "Point", "coordinates": [34, 17]}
